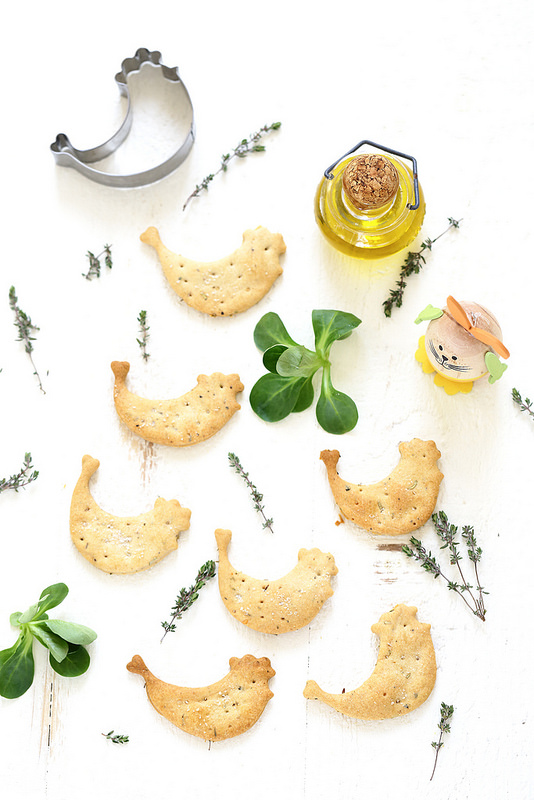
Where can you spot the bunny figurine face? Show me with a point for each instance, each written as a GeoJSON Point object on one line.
{"type": "Point", "coordinates": [455, 353]}
{"type": "Point", "coordinates": [463, 342]}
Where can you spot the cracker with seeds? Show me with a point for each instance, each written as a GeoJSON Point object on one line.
{"type": "Point", "coordinates": [182, 421]}
{"type": "Point", "coordinates": [280, 605]}
{"type": "Point", "coordinates": [230, 285]}
{"type": "Point", "coordinates": [400, 503]}
{"type": "Point", "coordinates": [404, 675]}
{"type": "Point", "coordinates": [220, 711]}
{"type": "Point", "coordinates": [121, 545]}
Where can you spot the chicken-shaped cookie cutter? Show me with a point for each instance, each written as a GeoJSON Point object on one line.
{"type": "Point", "coordinates": [68, 156]}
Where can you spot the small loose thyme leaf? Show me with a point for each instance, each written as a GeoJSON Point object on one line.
{"type": "Point", "coordinates": [116, 738]}
{"type": "Point", "coordinates": [527, 405]}
{"type": "Point", "coordinates": [447, 533]}
{"type": "Point", "coordinates": [95, 267]}
{"type": "Point", "coordinates": [144, 333]}
{"type": "Point", "coordinates": [187, 597]}
{"type": "Point", "coordinates": [25, 328]}
{"type": "Point", "coordinates": [444, 727]}
{"type": "Point", "coordinates": [413, 263]}
{"type": "Point", "coordinates": [22, 478]}
{"type": "Point", "coordinates": [257, 497]}
{"type": "Point", "coordinates": [242, 150]}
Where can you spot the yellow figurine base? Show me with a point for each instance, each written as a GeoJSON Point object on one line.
{"type": "Point", "coordinates": [450, 387]}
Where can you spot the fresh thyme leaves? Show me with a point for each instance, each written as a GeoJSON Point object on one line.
{"type": "Point", "coordinates": [243, 149]}
{"type": "Point", "coordinates": [144, 334]}
{"type": "Point", "coordinates": [22, 478]}
{"type": "Point", "coordinates": [288, 387]}
{"type": "Point", "coordinates": [444, 727]}
{"type": "Point", "coordinates": [25, 328]}
{"type": "Point", "coordinates": [257, 497]}
{"type": "Point", "coordinates": [64, 640]}
{"type": "Point", "coordinates": [95, 267]}
{"type": "Point", "coordinates": [413, 263]}
{"type": "Point", "coordinates": [527, 405]}
{"type": "Point", "coordinates": [187, 597]}
{"type": "Point", "coordinates": [447, 533]}
{"type": "Point", "coordinates": [116, 738]}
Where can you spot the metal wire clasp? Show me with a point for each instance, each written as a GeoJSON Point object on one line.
{"type": "Point", "coordinates": [329, 174]}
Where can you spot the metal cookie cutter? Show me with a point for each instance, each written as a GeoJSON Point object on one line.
{"type": "Point", "coordinates": [68, 156]}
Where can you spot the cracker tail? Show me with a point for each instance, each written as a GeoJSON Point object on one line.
{"type": "Point", "coordinates": [223, 538]}
{"type": "Point", "coordinates": [89, 467]}
{"type": "Point", "coordinates": [151, 236]}
{"type": "Point", "coordinates": [312, 691]}
{"type": "Point", "coordinates": [138, 666]}
{"type": "Point", "coordinates": [330, 459]}
{"type": "Point", "coordinates": [120, 369]}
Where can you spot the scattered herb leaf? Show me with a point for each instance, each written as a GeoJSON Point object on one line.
{"type": "Point", "coordinates": [25, 328]}
{"type": "Point", "coordinates": [95, 267]}
{"type": "Point", "coordinates": [187, 597]}
{"type": "Point", "coordinates": [116, 738]}
{"type": "Point", "coordinates": [444, 727]}
{"type": "Point", "coordinates": [22, 478]}
{"type": "Point", "coordinates": [287, 387]}
{"type": "Point", "coordinates": [144, 333]}
{"type": "Point", "coordinates": [65, 641]}
{"type": "Point", "coordinates": [447, 533]}
{"type": "Point", "coordinates": [242, 150]}
{"type": "Point", "coordinates": [413, 263]}
{"type": "Point", "coordinates": [527, 405]}
{"type": "Point", "coordinates": [257, 497]}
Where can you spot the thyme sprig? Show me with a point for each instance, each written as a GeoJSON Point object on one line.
{"type": "Point", "coordinates": [257, 497]}
{"type": "Point", "coordinates": [22, 478]}
{"type": "Point", "coordinates": [25, 328]}
{"type": "Point", "coordinates": [526, 405]}
{"type": "Point", "coordinates": [413, 263]}
{"type": "Point", "coordinates": [117, 738]}
{"type": "Point", "coordinates": [187, 597]}
{"type": "Point", "coordinates": [243, 149]}
{"type": "Point", "coordinates": [95, 267]}
{"type": "Point", "coordinates": [144, 334]}
{"type": "Point", "coordinates": [444, 727]}
{"type": "Point", "coordinates": [447, 533]}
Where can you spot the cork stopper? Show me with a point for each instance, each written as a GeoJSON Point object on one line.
{"type": "Point", "coordinates": [370, 181]}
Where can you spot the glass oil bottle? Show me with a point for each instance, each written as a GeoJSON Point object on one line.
{"type": "Point", "coordinates": [370, 221]}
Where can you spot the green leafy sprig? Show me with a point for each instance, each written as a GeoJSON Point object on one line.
{"type": "Point", "coordinates": [243, 149]}
{"type": "Point", "coordinates": [444, 727]}
{"type": "Point", "coordinates": [65, 641]}
{"type": "Point", "coordinates": [447, 533]}
{"type": "Point", "coordinates": [413, 263]}
{"type": "Point", "coordinates": [26, 329]}
{"type": "Point", "coordinates": [288, 386]}
{"type": "Point", "coordinates": [22, 478]}
{"type": "Point", "coordinates": [187, 597]}
{"type": "Point", "coordinates": [257, 497]}
{"type": "Point", "coordinates": [526, 405]}
{"type": "Point", "coordinates": [144, 334]}
{"type": "Point", "coordinates": [117, 738]}
{"type": "Point", "coordinates": [95, 267]}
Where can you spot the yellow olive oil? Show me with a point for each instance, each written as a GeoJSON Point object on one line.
{"type": "Point", "coordinates": [368, 233]}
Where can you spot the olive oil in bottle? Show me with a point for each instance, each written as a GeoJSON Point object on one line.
{"type": "Point", "coordinates": [370, 206]}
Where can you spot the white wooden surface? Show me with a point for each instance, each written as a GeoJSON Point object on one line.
{"type": "Point", "coordinates": [450, 83]}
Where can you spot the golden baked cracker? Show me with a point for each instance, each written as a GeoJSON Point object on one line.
{"type": "Point", "coordinates": [400, 503]}
{"type": "Point", "coordinates": [227, 286]}
{"type": "Point", "coordinates": [276, 606]}
{"type": "Point", "coordinates": [216, 712]}
{"type": "Point", "coordinates": [404, 675]}
{"type": "Point", "coordinates": [182, 421]}
{"type": "Point", "coordinates": [121, 545]}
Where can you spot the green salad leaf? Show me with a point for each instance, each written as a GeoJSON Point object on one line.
{"type": "Point", "coordinates": [288, 386]}
{"type": "Point", "coordinates": [64, 640]}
